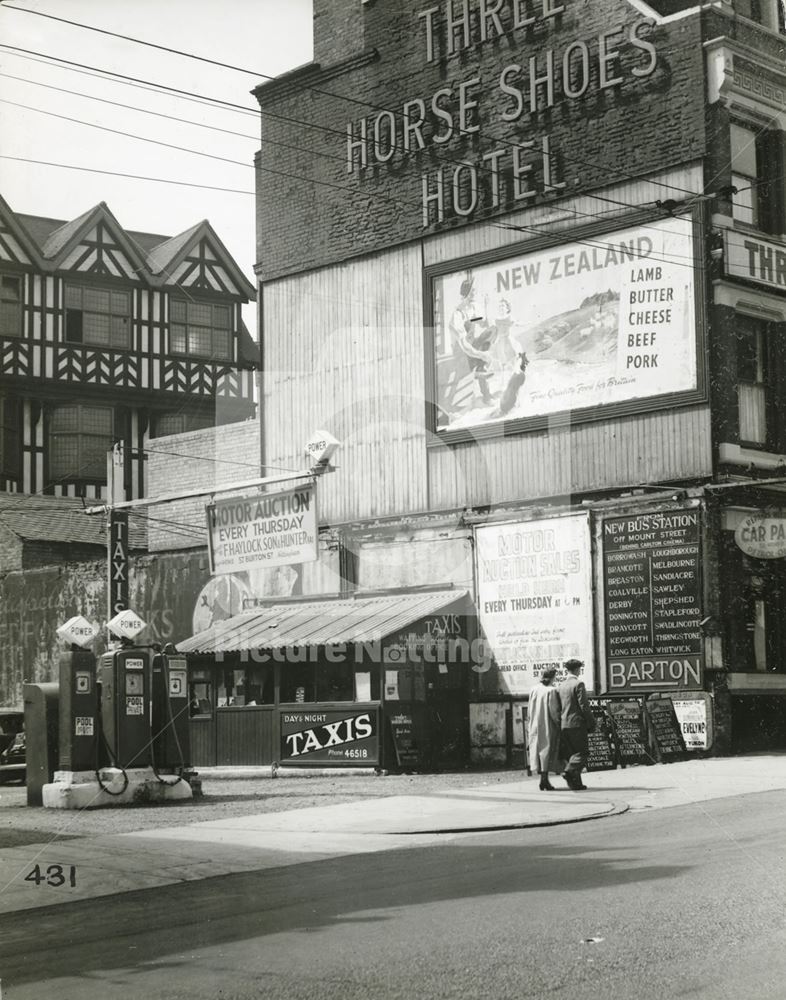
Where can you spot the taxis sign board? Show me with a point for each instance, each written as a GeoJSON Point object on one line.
{"type": "Point", "coordinates": [269, 529]}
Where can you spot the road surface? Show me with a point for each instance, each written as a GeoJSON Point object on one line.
{"type": "Point", "coordinates": [681, 902]}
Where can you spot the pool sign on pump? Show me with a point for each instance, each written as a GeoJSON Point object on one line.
{"type": "Point", "coordinates": [127, 624]}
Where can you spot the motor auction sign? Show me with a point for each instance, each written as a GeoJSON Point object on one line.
{"type": "Point", "coordinates": [535, 598]}
{"type": "Point", "coordinates": [270, 529]}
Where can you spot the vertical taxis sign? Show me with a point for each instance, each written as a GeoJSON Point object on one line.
{"type": "Point", "coordinates": [270, 529]}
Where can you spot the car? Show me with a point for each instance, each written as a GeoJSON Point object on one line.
{"type": "Point", "coordinates": [12, 745]}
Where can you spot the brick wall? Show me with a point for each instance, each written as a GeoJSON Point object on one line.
{"type": "Point", "coordinates": [10, 550]}
{"type": "Point", "coordinates": [202, 459]}
{"type": "Point", "coordinates": [312, 211]}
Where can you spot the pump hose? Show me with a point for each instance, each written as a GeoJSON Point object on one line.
{"type": "Point", "coordinates": [101, 737]}
{"type": "Point", "coordinates": [179, 777]}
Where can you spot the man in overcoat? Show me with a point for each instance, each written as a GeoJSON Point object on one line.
{"type": "Point", "coordinates": [577, 723]}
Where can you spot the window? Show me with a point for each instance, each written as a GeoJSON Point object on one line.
{"type": "Point", "coordinates": [752, 376]}
{"type": "Point", "coordinates": [98, 316]}
{"type": "Point", "coordinates": [200, 329]}
{"type": "Point", "coordinates": [79, 439]}
{"type": "Point", "coordinates": [180, 423]}
{"type": "Point", "coordinates": [200, 697]}
{"type": "Point", "coordinates": [769, 13]}
{"type": "Point", "coordinates": [10, 449]}
{"type": "Point", "coordinates": [758, 161]}
{"type": "Point", "coordinates": [744, 174]}
{"type": "Point", "coordinates": [10, 306]}
{"type": "Point", "coordinates": [246, 686]}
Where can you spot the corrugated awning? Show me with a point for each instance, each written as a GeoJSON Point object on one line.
{"type": "Point", "coordinates": [324, 622]}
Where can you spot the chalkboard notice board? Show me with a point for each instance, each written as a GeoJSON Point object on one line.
{"type": "Point", "coordinates": [666, 730]}
{"type": "Point", "coordinates": [602, 753]}
{"type": "Point", "coordinates": [407, 731]}
{"type": "Point", "coordinates": [630, 733]}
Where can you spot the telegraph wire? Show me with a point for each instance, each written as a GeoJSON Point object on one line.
{"type": "Point", "coordinates": [265, 76]}
{"type": "Point", "coordinates": [173, 118]}
{"type": "Point", "coordinates": [282, 173]}
{"type": "Point", "coordinates": [220, 104]}
{"type": "Point", "coordinates": [214, 101]}
{"type": "Point", "coordinates": [136, 177]}
{"type": "Point", "coordinates": [397, 201]}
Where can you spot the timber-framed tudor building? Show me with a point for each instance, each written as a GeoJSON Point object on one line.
{"type": "Point", "coordinates": [111, 336]}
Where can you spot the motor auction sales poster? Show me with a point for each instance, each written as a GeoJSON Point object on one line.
{"type": "Point", "coordinates": [535, 599]}
{"type": "Point", "coordinates": [605, 320]}
{"type": "Point", "coordinates": [269, 529]}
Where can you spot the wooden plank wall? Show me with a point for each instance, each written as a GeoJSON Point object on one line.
{"type": "Point", "coordinates": [344, 351]}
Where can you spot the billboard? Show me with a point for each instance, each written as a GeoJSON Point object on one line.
{"type": "Point", "coordinates": [269, 529]}
{"type": "Point", "coordinates": [610, 319]}
{"type": "Point", "coordinates": [535, 599]}
{"type": "Point", "coordinates": [653, 601]}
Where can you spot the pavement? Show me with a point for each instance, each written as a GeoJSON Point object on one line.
{"type": "Point", "coordinates": [63, 870]}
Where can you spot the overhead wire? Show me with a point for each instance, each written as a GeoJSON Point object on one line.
{"type": "Point", "coordinates": [311, 87]}
{"type": "Point", "coordinates": [396, 200]}
{"type": "Point", "coordinates": [258, 74]}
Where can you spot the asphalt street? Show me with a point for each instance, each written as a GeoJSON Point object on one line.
{"type": "Point", "coordinates": [686, 901]}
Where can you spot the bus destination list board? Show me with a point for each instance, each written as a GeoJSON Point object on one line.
{"type": "Point", "coordinates": [652, 587]}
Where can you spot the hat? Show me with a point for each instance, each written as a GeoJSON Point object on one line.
{"type": "Point", "coordinates": [573, 664]}
{"type": "Point", "coordinates": [466, 287]}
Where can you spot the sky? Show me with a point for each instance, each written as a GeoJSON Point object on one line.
{"type": "Point", "coordinates": [265, 37]}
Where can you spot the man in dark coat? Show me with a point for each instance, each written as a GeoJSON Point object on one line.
{"type": "Point", "coordinates": [577, 723]}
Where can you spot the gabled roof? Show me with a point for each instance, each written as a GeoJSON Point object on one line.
{"type": "Point", "coordinates": [50, 242]}
{"type": "Point", "coordinates": [167, 254]}
{"type": "Point", "coordinates": [13, 221]}
{"type": "Point", "coordinates": [167, 257]}
{"type": "Point", "coordinates": [63, 240]}
{"type": "Point", "coordinates": [59, 520]}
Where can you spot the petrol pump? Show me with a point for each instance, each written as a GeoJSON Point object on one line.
{"type": "Point", "coordinates": [123, 716]}
{"type": "Point", "coordinates": [171, 737]}
{"type": "Point", "coordinates": [78, 698]}
{"type": "Point", "coordinates": [126, 710]}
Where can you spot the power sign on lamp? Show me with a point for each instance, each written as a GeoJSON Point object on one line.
{"type": "Point", "coordinates": [126, 624]}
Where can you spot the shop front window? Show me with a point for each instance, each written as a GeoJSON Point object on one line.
{"type": "Point", "coordinates": [200, 698]}
{"type": "Point", "coordinates": [246, 686]}
{"type": "Point", "coordinates": [754, 601]}
{"type": "Point", "coordinates": [298, 682]}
